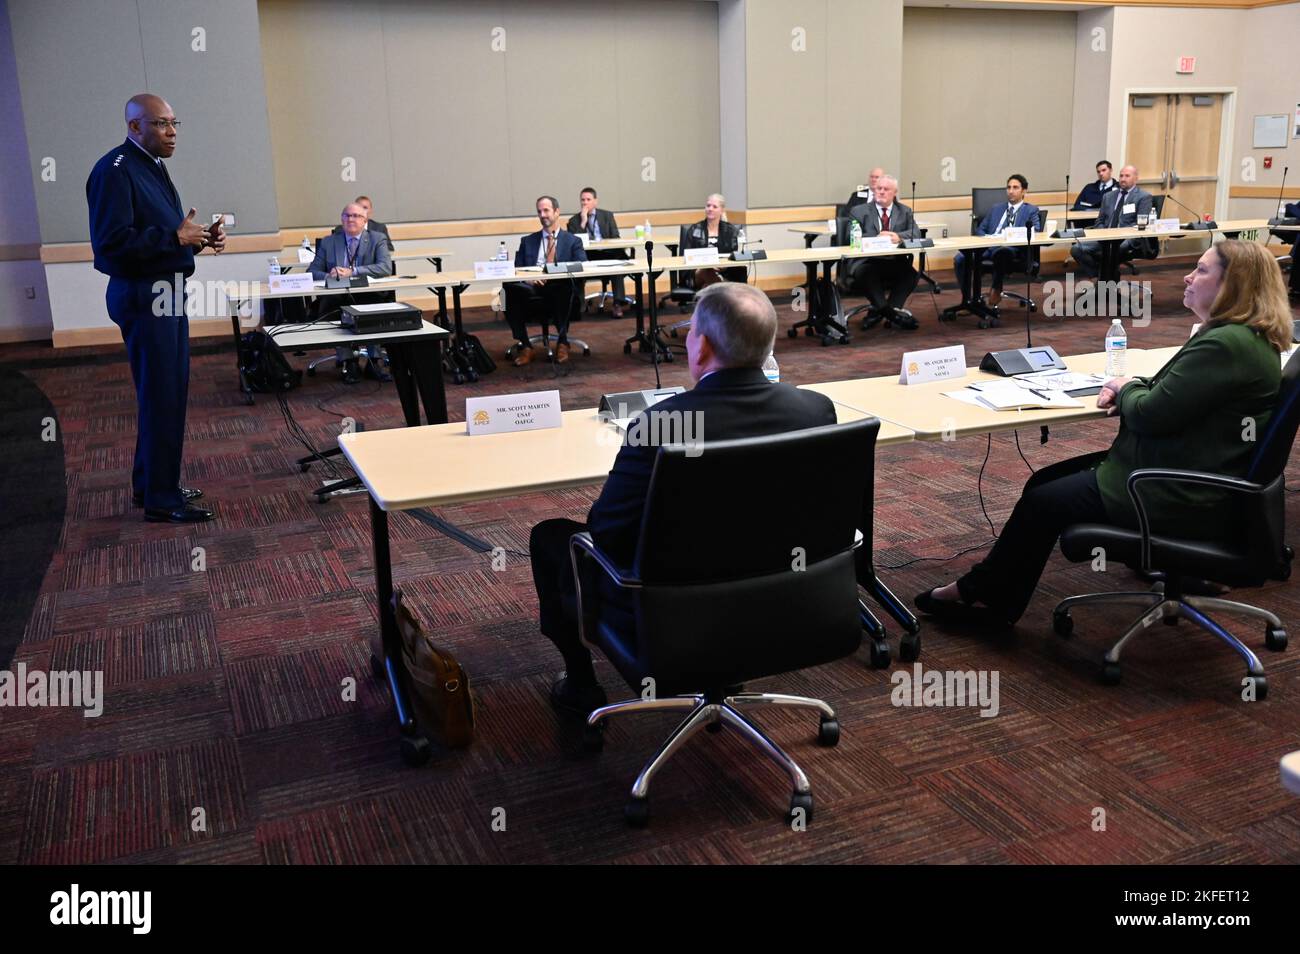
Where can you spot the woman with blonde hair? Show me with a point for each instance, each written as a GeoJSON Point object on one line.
{"type": "Point", "coordinates": [1200, 411]}
{"type": "Point", "coordinates": [714, 231]}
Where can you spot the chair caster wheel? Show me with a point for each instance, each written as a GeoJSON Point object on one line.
{"type": "Point", "coordinates": [828, 732]}
{"type": "Point", "coordinates": [415, 750]}
{"type": "Point", "coordinates": [668, 357]}
{"type": "Point", "coordinates": [880, 653]}
{"type": "Point", "coordinates": [377, 667]}
{"type": "Point", "coordinates": [303, 468]}
{"type": "Point", "coordinates": [1275, 639]}
{"type": "Point", "coordinates": [827, 340]}
{"type": "Point", "coordinates": [792, 333]}
{"type": "Point", "coordinates": [909, 647]}
{"type": "Point", "coordinates": [1110, 673]}
{"type": "Point", "coordinates": [801, 808]}
{"type": "Point", "coordinates": [637, 812]}
{"type": "Point", "coordinates": [593, 737]}
{"type": "Point", "coordinates": [1062, 623]}
{"type": "Point", "coordinates": [808, 332]}
{"type": "Point", "coordinates": [586, 351]}
{"type": "Point", "coordinates": [1257, 684]}
{"type": "Point", "coordinates": [844, 339]}
{"type": "Point", "coordinates": [311, 372]}
{"type": "Point", "coordinates": [322, 498]}
{"type": "Point", "coordinates": [714, 727]}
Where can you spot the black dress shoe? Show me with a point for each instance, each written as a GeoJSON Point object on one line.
{"type": "Point", "coordinates": [902, 318]}
{"type": "Point", "coordinates": [189, 493]}
{"type": "Point", "coordinates": [185, 513]}
{"type": "Point", "coordinates": [959, 611]}
{"type": "Point", "coordinates": [576, 700]}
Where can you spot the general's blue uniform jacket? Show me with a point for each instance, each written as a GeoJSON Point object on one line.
{"type": "Point", "coordinates": [134, 214]}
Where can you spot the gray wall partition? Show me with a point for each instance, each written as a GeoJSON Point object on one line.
{"type": "Point", "coordinates": [78, 63]}
{"type": "Point", "coordinates": [447, 110]}
{"type": "Point", "coordinates": [990, 90]}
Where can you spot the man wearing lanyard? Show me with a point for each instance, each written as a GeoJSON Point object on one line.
{"type": "Point", "coordinates": [1013, 213]}
{"type": "Point", "coordinates": [556, 298]}
{"type": "Point", "coordinates": [598, 224]}
{"type": "Point", "coordinates": [145, 244]}
{"type": "Point", "coordinates": [1122, 208]}
{"type": "Point", "coordinates": [353, 251]}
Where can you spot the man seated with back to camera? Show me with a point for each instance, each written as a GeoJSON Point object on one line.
{"type": "Point", "coordinates": [732, 333]}
{"type": "Point", "coordinates": [558, 298]}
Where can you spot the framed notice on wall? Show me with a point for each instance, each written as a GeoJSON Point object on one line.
{"type": "Point", "coordinates": [1272, 132]}
{"type": "Point", "coordinates": [1297, 120]}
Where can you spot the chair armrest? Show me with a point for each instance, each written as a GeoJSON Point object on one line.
{"type": "Point", "coordinates": [582, 543]}
{"type": "Point", "coordinates": [1146, 474]}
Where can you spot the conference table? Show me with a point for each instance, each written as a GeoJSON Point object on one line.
{"type": "Point", "coordinates": [290, 259]}
{"type": "Point", "coordinates": [439, 465]}
{"type": "Point", "coordinates": [407, 469]}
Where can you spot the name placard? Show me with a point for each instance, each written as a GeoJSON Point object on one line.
{"type": "Point", "coordinates": [934, 364]}
{"type": "Point", "coordinates": [301, 282]}
{"type": "Point", "coordinates": [504, 413]}
{"type": "Point", "coordinates": [494, 269]}
{"type": "Point", "coordinates": [701, 256]}
{"type": "Point", "coordinates": [877, 243]}
{"type": "Point", "coordinates": [1017, 233]}
{"type": "Point", "coordinates": [1167, 225]}
{"type": "Point", "coordinates": [583, 237]}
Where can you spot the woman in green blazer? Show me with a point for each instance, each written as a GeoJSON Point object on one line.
{"type": "Point", "coordinates": [1201, 411]}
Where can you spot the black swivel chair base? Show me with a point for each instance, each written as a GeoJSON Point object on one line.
{"type": "Point", "coordinates": [575, 344]}
{"type": "Point", "coordinates": [1170, 607]}
{"type": "Point", "coordinates": [712, 711]}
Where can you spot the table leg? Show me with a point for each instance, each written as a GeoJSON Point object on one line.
{"type": "Point", "coordinates": [640, 336]}
{"type": "Point", "coordinates": [389, 666]}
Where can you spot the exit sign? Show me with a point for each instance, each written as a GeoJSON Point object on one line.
{"type": "Point", "coordinates": [1187, 64]}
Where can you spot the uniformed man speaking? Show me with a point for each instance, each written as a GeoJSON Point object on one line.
{"type": "Point", "coordinates": [146, 244]}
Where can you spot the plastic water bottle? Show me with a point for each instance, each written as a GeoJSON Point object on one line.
{"type": "Point", "coordinates": [648, 233]}
{"type": "Point", "coordinates": [740, 241]}
{"type": "Point", "coordinates": [1152, 218]}
{"type": "Point", "coordinates": [502, 255]}
{"type": "Point", "coordinates": [855, 235]}
{"type": "Point", "coordinates": [1116, 349]}
{"type": "Point", "coordinates": [771, 369]}
{"type": "Point", "coordinates": [273, 268]}
{"type": "Point", "coordinates": [306, 243]}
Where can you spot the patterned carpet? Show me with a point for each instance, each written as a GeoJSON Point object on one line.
{"type": "Point", "coordinates": [224, 685]}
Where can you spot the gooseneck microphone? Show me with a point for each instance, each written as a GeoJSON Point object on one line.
{"type": "Point", "coordinates": [1281, 219]}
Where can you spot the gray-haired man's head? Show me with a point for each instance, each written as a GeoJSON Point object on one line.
{"type": "Point", "coordinates": [734, 326]}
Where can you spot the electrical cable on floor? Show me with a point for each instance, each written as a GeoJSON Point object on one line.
{"type": "Point", "coordinates": [979, 485]}
{"type": "Point", "coordinates": [299, 434]}
{"type": "Point", "coordinates": [1022, 453]}
{"type": "Point", "coordinates": [463, 537]}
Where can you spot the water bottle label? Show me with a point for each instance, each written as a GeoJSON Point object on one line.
{"type": "Point", "coordinates": [1112, 343]}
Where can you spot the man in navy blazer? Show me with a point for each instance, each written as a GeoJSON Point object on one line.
{"type": "Point", "coordinates": [1016, 212]}
{"type": "Point", "coordinates": [559, 297]}
{"type": "Point", "coordinates": [1122, 208]}
{"type": "Point", "coordinates": [732, 332]}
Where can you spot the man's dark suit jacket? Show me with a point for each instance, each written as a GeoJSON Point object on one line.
{"type": "Point", "coordinates": [608, 227]}
{"type": "Point", "coordinates": [901, 220]}
{"type": "Point", "coordinates": [734, 403]}
{"type": "Point", "coordinates": [1113, 216]}
{"type": "Point", "coordinates": [1090, 196]}
{"type": "Point", "coordinates": [567, 248]}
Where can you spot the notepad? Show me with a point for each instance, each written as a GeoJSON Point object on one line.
{"type": "Point", "coordinates": [1011, 395]}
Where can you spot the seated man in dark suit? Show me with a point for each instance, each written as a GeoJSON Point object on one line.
{"type": "Point", "coordinates": [732, 333]}
{"type": "Point", "coordinates": [353, 250]}
{"type": "Point", "coordinates": [1122, 208]}
{"type": "Point", "coordinates": [372, 224]}
{"type": "Point", "coordinates": [1090, 196]}
{"type": "Point", "coordinates": [889, 280]}
{"type": "Point", "coordinates": [558, 297]}
{"type": "Point", "coordinates": [598, 224]}
{"type": "Point", "coordinates": [1016, 212]}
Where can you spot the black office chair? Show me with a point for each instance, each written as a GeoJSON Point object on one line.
{"type": "Point", "coordinates": [1257, 555]}
{"type": "Point", "coordinates": [681, 284]}
{"type": "Point", "coordinates": [1031, 270]}
{"type": "Point", "coordinates": [539, 314]}
{"type": "Point", "coordinates": [982, 202]}
{"type": "Point", "coordinates": [736, 592]}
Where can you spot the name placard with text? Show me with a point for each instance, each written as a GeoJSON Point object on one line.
{"type": "Point", "coordinates": [934, 364]}
{"type": "Point", "coordinates": [503, 413]}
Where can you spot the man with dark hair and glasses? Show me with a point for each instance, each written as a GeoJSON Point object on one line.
{"type": "Point", "coordinates": [145, 243]}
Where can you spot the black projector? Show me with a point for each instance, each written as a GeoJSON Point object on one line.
{"type": "Point", "coordinates": [377, 319]}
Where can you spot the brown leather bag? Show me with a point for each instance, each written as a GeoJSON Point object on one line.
{"type": "Point", "coordinates": [439, 685]}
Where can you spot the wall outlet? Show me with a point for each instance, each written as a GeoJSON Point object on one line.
{"type": "Point", "coordinates": [30, 292]}
{"type": "Point", "coordinates": [227, 219]}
